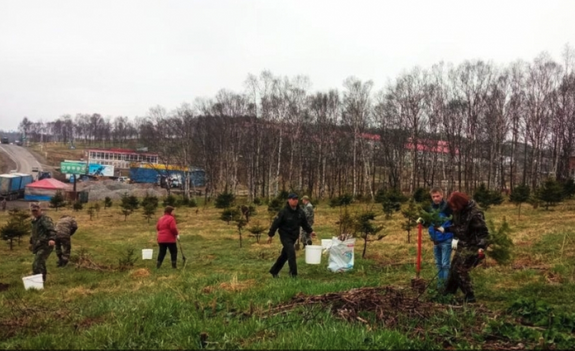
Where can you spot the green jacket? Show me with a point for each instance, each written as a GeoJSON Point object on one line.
{"type": "Point", "coordinates": [42, 232]}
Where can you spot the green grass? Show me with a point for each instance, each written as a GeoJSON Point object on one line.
{"type": "Point", "coordinates": [225, 292]}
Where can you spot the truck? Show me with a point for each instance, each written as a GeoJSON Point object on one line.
{"type": "Point", "coordinates": [5, 140]}
{"type": "Point", "coordinates": [12, 185]}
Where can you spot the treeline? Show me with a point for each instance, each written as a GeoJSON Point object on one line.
{"type": "Point", "coordinates": [454, 126]}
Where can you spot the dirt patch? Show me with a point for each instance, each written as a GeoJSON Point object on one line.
{"type": "Point", "coordinates": [88, 322]}
{"type": "Point", "coordinates": [393, 308]}
{"type": "Point", "coordinates": [140, 273]}
{"type": "Point", "coordinates": [387, 303]}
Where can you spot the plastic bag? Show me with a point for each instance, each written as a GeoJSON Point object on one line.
{"type": "Point", "coordinates": [341, 255]}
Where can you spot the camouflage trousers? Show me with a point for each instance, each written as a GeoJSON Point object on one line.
{"type": "Point", "coordinates": [63, 248]}
{"type": "Point", "coordinates": [40, 258]}
{"type": "Point", "coordinates": [463, 262]}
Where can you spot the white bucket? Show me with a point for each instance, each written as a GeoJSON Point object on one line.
{"type": "Point", "coordinates": [313, 254]}
{"type": "Point", "coordinates": [147, 254]}
{"type": "Point", "coordinates": [33, 282]}
{"type": "Point", "coordinates": [325, 243]}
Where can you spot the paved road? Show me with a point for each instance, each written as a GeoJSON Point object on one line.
{"type": "Point", "coordinates": [23, 159]}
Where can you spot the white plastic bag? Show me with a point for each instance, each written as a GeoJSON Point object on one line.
{"type": "Point", "coordinates": [341, 254]}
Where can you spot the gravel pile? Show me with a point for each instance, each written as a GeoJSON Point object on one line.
{"type": "Point", "coordinates": [98, 190]}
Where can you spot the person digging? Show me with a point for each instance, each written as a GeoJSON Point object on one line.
{"type": "Point", "coordinates": [469, 243]}
{"type": "Point", "coordinates": [65, 228]}
{"type": "Point", "coordinates": [287, 222]}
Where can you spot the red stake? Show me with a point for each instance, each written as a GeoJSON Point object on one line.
{"type": "Point", "coordinates": [418, 249]}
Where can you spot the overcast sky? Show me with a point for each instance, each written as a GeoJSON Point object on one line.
{"type": "Point", "coordinates": [122, 57]}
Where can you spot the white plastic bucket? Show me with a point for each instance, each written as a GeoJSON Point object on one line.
{"type": "Point", "coordinates": [313, 254]}
{"type": "Point", "coordinates": [147, 254]}
{"type": "Point", "coordinates": [33, 282]}
{"type": "Point", "coordinates": [325, 243]}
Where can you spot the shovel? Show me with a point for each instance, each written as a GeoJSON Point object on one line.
{"type": "Point", "coordinates": [417, 283]}
{"type": "Point", "coordinates": [182, 252]}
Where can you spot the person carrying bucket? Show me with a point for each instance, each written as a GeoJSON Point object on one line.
{"type": "Point", "coordinates": [42, 240]}
{"type": "Point", "coordinates": [287, 222]}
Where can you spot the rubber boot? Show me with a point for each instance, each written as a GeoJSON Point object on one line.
{"type": "Point", "coordinates": [174, 264]}
{"type": "Point", "coordinates": [470, 298]}
{"type": "Point", "coordinates": [59, 261]}
{"type": "Point", "coordinates": [44, 277]}
{"type": "Point", "coordinates": [158, 264]}
{"type": "Point", "coordinates": [63, 263]}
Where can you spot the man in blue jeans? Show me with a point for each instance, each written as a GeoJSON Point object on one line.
{"type": "Point", "coordinates": [441, 236]}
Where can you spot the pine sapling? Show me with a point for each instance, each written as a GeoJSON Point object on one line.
{"type": "Point", "coordinates": [433, 218]}
{"type": "Point", "coordinates": [91, 212]}
{"type": "Point", "coordinates": [241, 223]}
{"type": "Point", "coordinates": [18, 226]}
{"type": "Point", "coordinates": [519, 195]}
{"type": "Point", "coordinates": [149, 211]}
{"type": "Point", "coordinates": [256, 229]}
{"type": "Point", "coordinates": [411, 213]}
{"type": "Point", "coordinates": [107, 202]}
{"type": "Point", "coordinates": [365, 228]}
{"type": "Point", "coordinates": [500, 244]}
{"type": "Point", "coordinates": [57, 200]}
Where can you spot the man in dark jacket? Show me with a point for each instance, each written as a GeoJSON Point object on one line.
{"type": "Point", "coordinates": [288, 221]}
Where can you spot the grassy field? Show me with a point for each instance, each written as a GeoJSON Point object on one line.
{"type": "Point", "coordinates": [224, 297]}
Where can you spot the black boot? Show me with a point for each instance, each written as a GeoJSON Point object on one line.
{"type": "Point", "coordinates": [470, 298]}
{"type": "Point", "coordinates": [174, 264]}
{"type": "Point", "coordinates": [59, 261]}
{"type": "Point", "coordinates": [158, 264]}
{"type": "Point", "coordinates": [44, 277]}
{"type": "Point", "coordinates": [63, 263]}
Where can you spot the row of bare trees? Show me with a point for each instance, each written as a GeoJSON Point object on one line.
{"type": "Point", "coordinates": [454, 126]}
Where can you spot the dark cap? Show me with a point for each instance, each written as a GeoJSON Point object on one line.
{"type": "Point", "coordinates": [292, 196]}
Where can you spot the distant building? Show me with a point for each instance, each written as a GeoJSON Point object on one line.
{"type": "Point", "coordinates": [120, 158]}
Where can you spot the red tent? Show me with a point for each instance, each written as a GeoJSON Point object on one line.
{"type": "Point", "coordinates": [49, 183]}
{"type": "Point", "coordinates": [44, 190]}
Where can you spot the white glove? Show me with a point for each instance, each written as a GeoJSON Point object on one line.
{"type": "Point", "coordinates": [441, 230]}
{"type": "Point", "coordinates": [178, 238]}
{"type": "Point", "coordinates": [454, 244]}
{"type": "Point", "coordinates": [419, 220]}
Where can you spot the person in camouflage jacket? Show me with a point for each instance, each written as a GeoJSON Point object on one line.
{"type": "Point", "coordinates": [42, 240]}
{"type": "Point", "coordinates": [470, 241]}
{"type": "Point", "coordinates": [309, 215]}
{"type": "Point", "coordinates": [65, 228]}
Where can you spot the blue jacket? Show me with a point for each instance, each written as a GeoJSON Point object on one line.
{"type": "Point", "coordinates": [436, 236]}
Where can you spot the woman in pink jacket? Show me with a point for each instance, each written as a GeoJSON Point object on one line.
{"type": "Point", "coordinates": [167, 236]}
